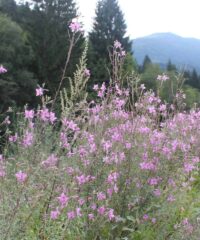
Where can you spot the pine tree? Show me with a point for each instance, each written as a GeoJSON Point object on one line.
{"type": "Point", "coordinates": [146, 63]}
{"type": "Point", "coordinates": [194, 81]}
{"type": "Point", "coordinates": [171, 66]}
{"type": "Point", "coordinates": [109, 25]}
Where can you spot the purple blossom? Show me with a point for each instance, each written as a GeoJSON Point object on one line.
{"type": "Point", "coordinates": [63, 199]}
{"type": "Point", "coordinates": [54, 214]}
{"type": "Point", "coordinates": [71, 215]}
{"type": "Point", "coordinates": [162, 77]}
{"type": "Point", "coordinates": [75, 26]}
{"type": "Point", "coordinates": [101, 210]}
{"type": "Point", "coordinates": [29, 114]}
{"type": "Point", "coordinates": [91, 216]}
{"type": "Point", "coordinates": [111, 215]}
{"type": "Point", "coordinates": [27, 139]}
{"type": "Point", "coordinates": [51, 161]}
{"type": "Point", "coordinates": [87, 72]}
{"type": "Point", "coordinates": [78, 212]}
{"type": "Point", "coordinates": [39, 91]}
{"type": "Point", "coordinates": [171, 198]}
{"type": "Point", "coordinates": [101, 196]}
{"type": "Point", "coordinates": [13, 138]}
{"type": "Point", "coordinates": [145, 217]}
{"type": "Point", "coordinates": [117, 44]}
{"type": "Point", "coordinates": [21, 176]}
{"type": "Point", "coordinates": [2, 69]}
{"type": "Point", "coordinates": [189, 167]}
{"type": "Point", "coordinates": [7, 120]}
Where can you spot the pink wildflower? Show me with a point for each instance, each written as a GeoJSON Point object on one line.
{"type": "Point", "coordinates": [39, 91]}
{"type": "Point", "coordinates": [75, 26]}
{"type": "Point", "coordinates": [96, 87]}
{"type": "Point", "coordinates": [81, 201]}
{"type": "Point", "coordinates": [81, 179]}
{"type": "Point", "coordinates": [157, 192]}
{"type": "Point", "coordinates": [87, 72]}
{"type": "Point", "coordinates": [171, 198]}
{"type": "Point", "coordinates": [145, 217]}
{"type": "Point", "coordinates": [51, 161]}
{"type": "Point", "coordinates": [101, 196]}
{"type": "Point", "coordinates": [188, 167]}
{"type": "Point", "coordinates": [2, 69]}
{"type": "Point", "coordinates": [21, 176]}
{"type": "Point", "coordinates": [91, 216]}
{"type": "Point", "coordinates": [28, 139]}
{"type": "Point", "coordinates": [162, 78]}
{"type": "Point", "coordinates": [117, 44]}
{"type": "Point", "coordinates": [13, 138]}
{"type": "Point", "coordinates": [78, 212]}
{"type": "Point", "coordinates": [29, 114]}
{"type": "Point", "coordinates": [52, 117]}
{"type": "Point", "coordinates": [7, 121]}
{"type": "Point", "coordinates": [71, 215]}
{"type": "Point", "coordinates": [101, 210]}
{"type": "Point", "coordinates": [111, 215]}
{"type": "Point", "coordinates": [63, 199]}
{"type": "Point", "coordinates": [55, 214]}
{"type": "Point", "coordinates": [122, 53]}
{"type": "Point", "coordinates": [153, 181]}
{"type": "Point", "coordinates": [112, 178]}
{"type": "Point", "coordinates": [110, 192]}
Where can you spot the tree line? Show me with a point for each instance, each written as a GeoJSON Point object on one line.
{"type": "Point", "coordinates": [34, 41]}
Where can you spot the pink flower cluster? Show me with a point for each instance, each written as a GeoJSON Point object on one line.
{"type": "Point", "coordinates": [2, 69]}
{"type": "Point", "coordinates": [75, 26]}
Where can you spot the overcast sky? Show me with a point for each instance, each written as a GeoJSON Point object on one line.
{"type": "Point", "coordinates": [144, 17]}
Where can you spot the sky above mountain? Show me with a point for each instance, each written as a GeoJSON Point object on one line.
{"type": "Point", "coordinates": [145, 17]}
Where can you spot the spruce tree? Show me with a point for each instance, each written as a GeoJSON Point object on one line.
{"type": "Point", "coordinates": [146, 63]}
{"type": "Point", "coordinates": [171, 66]}
{"type": "Point", "coordinates": [109, 25]}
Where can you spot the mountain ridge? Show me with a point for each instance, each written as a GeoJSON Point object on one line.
{"type": "Point", "coordinates": [162, 47]}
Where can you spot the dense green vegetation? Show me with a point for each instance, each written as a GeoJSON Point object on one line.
{"type": "Point", "coordinates": [34, 42]}
{"type": "Point", "coordinates": [93, 145]}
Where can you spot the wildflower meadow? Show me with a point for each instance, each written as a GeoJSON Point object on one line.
{"type": "Point", "coordinates": [124, 165]}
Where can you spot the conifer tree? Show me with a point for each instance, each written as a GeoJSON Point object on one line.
{"type": "Point", "coordinates": [109, 25]}
{"type": "Point", "coordinates": [146, 63]}
{"type": "Point", "coordinates": [48, 27]}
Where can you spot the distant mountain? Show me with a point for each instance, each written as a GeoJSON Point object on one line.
{"type": "Point", "coordinates": [162, 47]}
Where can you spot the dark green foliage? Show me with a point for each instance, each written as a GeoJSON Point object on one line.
{"type": "Point", "coordinates": [48, 28]}
{"type": "Point", "coordinates": [9, 7]}
{"type": "Point", "coordinates": [146, 63]}
{"type": "Point", "coordinates": [171, 66]}
{"type": "Point", "coordinates": [148, 77]}
{"type": "Point", "coordinates": [109, 25]}
{"type": "Point", "coordinates": [18, 84]}
{"type": "Point", "coordinates": [46, 25]}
